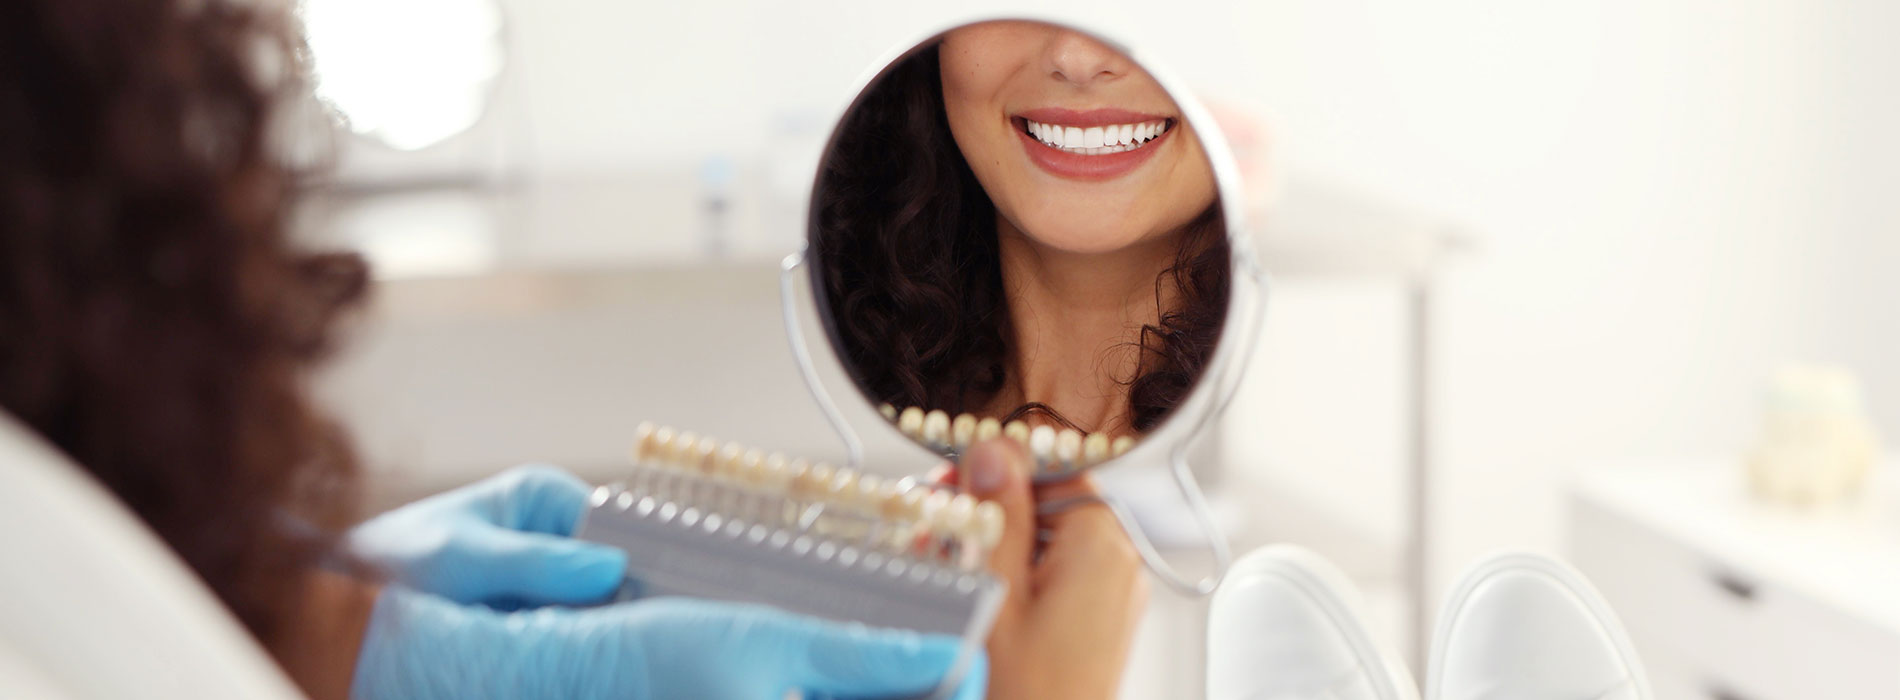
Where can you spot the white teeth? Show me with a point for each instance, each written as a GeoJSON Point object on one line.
{"type": "Point", "coordinates": [1092, 137]}
{"type": "Point", "coordinates": [1095, 140]}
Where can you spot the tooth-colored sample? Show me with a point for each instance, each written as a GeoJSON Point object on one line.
{"type": "Point", "coordinates": [986, 429]}
{"type": "Point", "coordinates": [888, 411]}
{"type": "Point", "coordinates": [797, 477]}
{"type": "Point", "coordinates": [842, 486]}
{"type": "Point", "coordinates": [1069, 446]}
{"type": "Point", "coordinates": [1128, 134]}
{"type": "Point", "coordinates": [869, 492]}
{"type": "Point", "coordinates": [1122, 445]}
{"type": "Point", "coordinates": [901, 536]}
{"type": "Point", "coordinates": [1095, 448]}
{"type": "Point", "coordinates": [988, 525]}
{"type": "Point", "coordinates": [931, 512]}
{"type": "Point", "coordinates": [727, 462]}
{"type": "Point", "coordinates": [957, 515]}
{"type": "Point", "coordinates": [681, 451]}
{"type": "Point", "coordinates": [774, 472]}
{"type": "Point", "coordinates": [1018, 431]}
{"type": "Point", "coordinates": [963, 430]}
{"type": "Point", "coordinates": [813, 481]}
{"type": "Point", "coordinates": [909, 504]}
{"type": "Point", "coordinates": [643, 440]}
{"type": "Point", "coordinates": [1042, 443]}
{"type": "Point", "coordinates": [911, 422]}
{"type": "Point", "coordinates": [750, 467]}
{"type": "Point", "coordinates": [704, 453]}
{"type": "Point", "coordinates": [663, 439]}
{"type": "Point", "coordinates": [1072, 137]}
{"type": "Point", "coordinates": [937, 428]}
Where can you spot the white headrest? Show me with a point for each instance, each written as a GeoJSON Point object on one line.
{"type": "Point", "coordinates": [93, 604]}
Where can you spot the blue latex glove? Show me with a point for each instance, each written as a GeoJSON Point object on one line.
{"type": "Point", "coordinates": [503, 541]}
{"type": "Point", "coordinates": [423, 647]}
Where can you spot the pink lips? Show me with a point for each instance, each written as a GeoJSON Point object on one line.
{"type": "Point", "coordinates": [1077, 166]}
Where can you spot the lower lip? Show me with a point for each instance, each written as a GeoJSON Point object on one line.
{"type": "Point", "coordinates": [1076, 166]}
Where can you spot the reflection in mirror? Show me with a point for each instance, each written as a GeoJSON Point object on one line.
{"type": "Point", "coordinates": [1015, 231]}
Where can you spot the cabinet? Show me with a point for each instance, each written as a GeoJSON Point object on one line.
{"type": "Point", "coordinates": [1731, 598]}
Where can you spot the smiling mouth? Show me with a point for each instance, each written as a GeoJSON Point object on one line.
{"type": "Point", "coordinates": [1095, 140]}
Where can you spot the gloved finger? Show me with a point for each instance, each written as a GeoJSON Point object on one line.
{"type": "Point", "coordinates": [540, 569]}
{"type": "Point", "coordinates": [539, 498]}
{"type": "Point", "coordinates": [976, 678]}
{"type": "Point", "coordinates": [857, 661]}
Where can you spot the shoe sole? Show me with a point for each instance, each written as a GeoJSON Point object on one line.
{"type": "Point", "coordinates": [1323, 583]}
{"type": "Point", "coordinates": [1565, 576]}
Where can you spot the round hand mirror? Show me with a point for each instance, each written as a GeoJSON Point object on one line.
{"type": "Point", "coordinates": [1017, 228]}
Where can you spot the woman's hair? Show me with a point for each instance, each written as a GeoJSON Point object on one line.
{"type": "Point", "coordinates": [909, 267]}
{"type": "Point", "coordinates": [156, 323]}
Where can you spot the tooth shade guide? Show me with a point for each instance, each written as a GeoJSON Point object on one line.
{"type": "Point", "coordinates": [1064, 450]}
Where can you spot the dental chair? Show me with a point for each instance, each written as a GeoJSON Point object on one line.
{"type": "Point", "coordinates": [94, 605]}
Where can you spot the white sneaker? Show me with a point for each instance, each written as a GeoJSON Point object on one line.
{"type": "Point", "coordinates": [1528, 627]}
{"type": "Point", "coordinates": [1285, 626]}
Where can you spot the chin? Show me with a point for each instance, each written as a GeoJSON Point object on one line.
{"type": "Point", "coordinates": [1082, 241]}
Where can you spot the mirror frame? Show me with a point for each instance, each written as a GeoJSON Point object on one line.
{"type": "Point", "coordinates": [1169, 443]}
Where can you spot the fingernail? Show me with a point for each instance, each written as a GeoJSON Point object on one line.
{"type": "Point", "coordinates": [989, 469]}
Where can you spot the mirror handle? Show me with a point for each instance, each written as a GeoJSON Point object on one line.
{"type": "Point", "coordinates": [1203, 515]}
{"type": "Point", "coordinates": [807, 369]}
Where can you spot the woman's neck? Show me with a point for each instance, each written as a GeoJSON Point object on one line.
{"type": "Point", "coordinates": [1075, 324]}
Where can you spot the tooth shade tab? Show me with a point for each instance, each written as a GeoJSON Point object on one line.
{"type": "Point", "coordinates": [1096, 140]}
{"type": "Point", "coordinates": [1055, 450]}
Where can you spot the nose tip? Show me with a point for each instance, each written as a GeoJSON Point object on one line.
{"type": "Point", "coordinates": [1078, 59]}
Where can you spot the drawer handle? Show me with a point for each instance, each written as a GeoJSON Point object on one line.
{"type": "Point", "coordinates": [1741, 589]}
{"type": "Point", "coordinates": [1720, 693]}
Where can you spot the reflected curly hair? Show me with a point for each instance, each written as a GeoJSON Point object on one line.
{"type": "Point", "coordinates": [909, 269]}
{"type": "Point", "coordinates": [156, 323]}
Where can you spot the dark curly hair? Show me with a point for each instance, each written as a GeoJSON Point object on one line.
{"type": "Point", "coordinates": [909, 271]}
{"type": "Point", "coordinates": [156, 323]}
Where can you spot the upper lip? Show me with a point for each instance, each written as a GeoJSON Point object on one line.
{"type": "Point", "coordinates": [1087, 118]}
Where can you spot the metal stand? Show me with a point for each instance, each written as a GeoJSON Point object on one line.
{"type": "Point", "coordinates": [801, 353]}
{"type": "Point", "coordinates": [1417, 565]}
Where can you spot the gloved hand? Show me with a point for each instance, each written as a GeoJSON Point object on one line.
{"type": "Point", "coordinates": [423, 647]}
{"type": "Point", "coordinates": [502, 541]}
